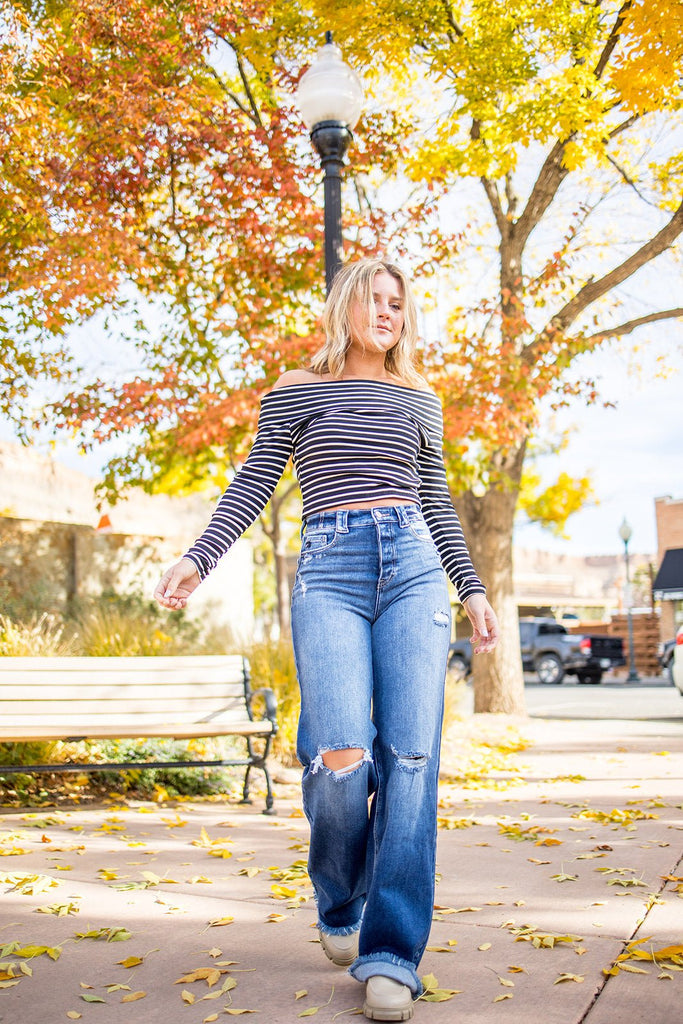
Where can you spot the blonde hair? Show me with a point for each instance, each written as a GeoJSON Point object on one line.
{"type": "Point", "coordinates": [353, 283]}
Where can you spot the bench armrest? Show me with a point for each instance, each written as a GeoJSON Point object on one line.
{"type": "Point", "coordinates": [270, 701]}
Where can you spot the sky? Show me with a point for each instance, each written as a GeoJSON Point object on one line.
{"type": "Point", "coordinates": [633, 453]}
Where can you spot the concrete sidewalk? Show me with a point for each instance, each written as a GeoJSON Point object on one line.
{"type": "Point", "coordinates": [560, 843]}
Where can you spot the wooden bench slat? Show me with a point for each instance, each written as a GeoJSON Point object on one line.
{"type": "Point", "coordinates": [124, 691]}
{"type": "Point", "coordinates": [174, 663]}
{"type": "Point", "coordinates": [23, 733]}
{"type": "Point", "coordinates": [131, 705]}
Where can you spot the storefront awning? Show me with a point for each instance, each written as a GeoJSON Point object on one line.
{"type": "Point", "coordinates": [668, 584]}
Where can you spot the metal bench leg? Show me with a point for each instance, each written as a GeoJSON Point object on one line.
{"type": "Point", "coordinates": [246, 799]}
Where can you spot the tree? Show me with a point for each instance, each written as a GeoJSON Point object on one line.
{"type": "Point", "coordinates": [562, 114]}
{"type": "Point", "coordinates": [162, 175]}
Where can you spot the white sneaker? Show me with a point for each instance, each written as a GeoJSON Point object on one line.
{"type": "Point", "coordinates": [342, 950]}
{"type": "Point", "coordinates": [386, 999]}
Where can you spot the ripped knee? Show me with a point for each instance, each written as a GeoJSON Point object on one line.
{"type": "Point", "coordinates": [341, 762]}
{"type": "Point", "coordinates": [413, 761]}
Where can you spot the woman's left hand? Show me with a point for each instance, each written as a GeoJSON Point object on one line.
{"type": "Point", "coordinates": [485, 630]}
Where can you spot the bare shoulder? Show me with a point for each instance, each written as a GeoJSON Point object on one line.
{"type": "Point", "coordinates": [290, 377]}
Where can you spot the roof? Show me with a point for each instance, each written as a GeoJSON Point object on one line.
{"type": "Point", "coordinates": [668, 584]}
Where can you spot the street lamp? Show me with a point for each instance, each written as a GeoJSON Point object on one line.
{"type": "Point", "coordinates": [625, 532]}
{"type": "Point", "coordinates": [330, 98]}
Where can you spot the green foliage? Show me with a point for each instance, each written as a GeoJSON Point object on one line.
{"type": "Point", "coordinates": [272, 664]}
{"type": "Point", "coordinates": [169, 782]}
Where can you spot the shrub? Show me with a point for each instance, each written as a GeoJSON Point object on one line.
{"type": "Point", "coordinates": [272, 664]}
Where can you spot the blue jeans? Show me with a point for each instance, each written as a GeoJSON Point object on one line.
{"type": "Point", "coordinates": [371, 627]}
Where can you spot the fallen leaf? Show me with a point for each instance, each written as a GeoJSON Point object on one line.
{"type": "Point", "coordinates": [500, 998]}
{"type": "Point", "coordinates": [301, 993]}
{"type": "Point", "coordinates": [569, 977]}
{"type": "Point", "coordinates": [130, 961]}
{"type": "Point", "coordinates": [209, 974]}
{"type": "Point", "coordinates": [132, 997]}
{"type": "Point", "coordinates": [59, 909]}
{"type": "Point", "coordinates": [91, 999]}
{"type": "Point", "coordinates": [218, 922]}
{"type": "Point", "coordinates": [484, 946]}
{"type": "Point", "coordinates": [73, 1015]}
{"type": "Point", "coordinates": [187, 997]}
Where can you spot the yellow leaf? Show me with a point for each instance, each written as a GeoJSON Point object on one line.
{"type": "Point", "coordinates": [9, 984]}
{"type": "Point", "coordinates": [73, 1015]}
{"type": "Point", "coordinates": [505, 995]}
{"type": "Point", "coordinates": [218, 922]}
{"type": "Point", "coordinates": [209, 974]}
{"type": "Point", "coordinates": [132, 997]}
{"type": "Point", "coordinates": [506, 982]}
{"type": "Point", "coordinates": [484, 946]}
{"type": "Point", "coordinates": [187, 997]}
{"type": "Point", "coordinates": [276, 918]}
{"type": "Point", "coordinates": [131, 961]}
{"type": "Point", "coordinates": [429, 982]}
{"type": "Point", "coordinates": [569, 977]}
{"type": "Point", "coordinates": [211, 1017]}
{"type": "Point", "coordinates": [309, 1012]}
{"type": "Point", "coordinates": [234, 1012]}
{"type": "Point", "coordinates": [301, 993]}
{"type": "Point", "coordinates": [632, 969]}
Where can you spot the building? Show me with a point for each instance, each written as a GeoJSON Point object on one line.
{"type": "Point", "coordinates": [668, 583]}
{"type": "Point", "coordinates": [51, 546]}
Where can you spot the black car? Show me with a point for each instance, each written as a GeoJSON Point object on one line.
{"type": "Point", "coordinates": [548, 649]}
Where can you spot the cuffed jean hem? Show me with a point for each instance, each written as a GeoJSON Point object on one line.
{"type": "Point", "coordinates": [388, 966]}
{"type": "Point", "coordinates": [347, 929]}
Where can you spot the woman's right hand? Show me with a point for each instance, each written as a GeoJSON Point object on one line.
{"type": "Point", "coordinates": [176, 585]}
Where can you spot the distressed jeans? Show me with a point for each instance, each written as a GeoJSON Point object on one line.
{"type": "Point", "coordinates": [371, 628]}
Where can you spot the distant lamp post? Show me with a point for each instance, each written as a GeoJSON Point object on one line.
{"type": "Point", "coordinates": [330, 98]}
{"type": "Point", "coordinates": [625, 532]}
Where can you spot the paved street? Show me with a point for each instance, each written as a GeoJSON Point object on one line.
{"type": "Point", "coordinates": [652, 700]}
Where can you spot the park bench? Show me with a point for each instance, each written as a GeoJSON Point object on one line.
{"type": "Point", "coordinates": [181, 698]}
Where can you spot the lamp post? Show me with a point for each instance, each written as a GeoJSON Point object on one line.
{"type": "Point", "coordinates": [625, 532]}
{"type": "Point", "coordinates": [330, 98]}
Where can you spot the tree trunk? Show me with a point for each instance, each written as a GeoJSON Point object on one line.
{"type": "Point", "coordinates": [488, 522]}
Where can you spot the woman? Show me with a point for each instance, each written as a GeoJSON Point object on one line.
{"type": "Point", "coordinates": [370, 619]}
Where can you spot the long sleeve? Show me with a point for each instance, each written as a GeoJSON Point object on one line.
{"type": "Point", "coordinates": [442, 520]}
{"type": "Point", "coordinates": [248, 493]}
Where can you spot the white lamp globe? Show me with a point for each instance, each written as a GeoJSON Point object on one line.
{"type": "Point", "coordinates": [330, 90]}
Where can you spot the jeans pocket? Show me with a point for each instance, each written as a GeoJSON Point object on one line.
{"type": "Point", "coordinates": [419, 529]}
{"type": "Point", "coordinates": [317, 540]}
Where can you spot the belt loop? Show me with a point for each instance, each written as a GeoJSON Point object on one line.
{"type": "Point", "coordinates": [342, 525]}
{"type": "Point", "coordinates": [403, 518]}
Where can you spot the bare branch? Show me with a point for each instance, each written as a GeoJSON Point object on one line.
{"type": "Point", "coordinates": [245, 81]}
{"type": "Point", "coordinates": [612, 40]}
{"type": "Point", "coordinates": [623, 126]}
{"type": "Point", "coordinates": [497, 207]}
{"type": "Point", "coordinates": [595, 289]}
{"type": "Point", "coordinates": [620, 170]}
{"type": "Point", "coordinates": [543, 192]}
{"type": "Point", "coordinates": [631, 325]}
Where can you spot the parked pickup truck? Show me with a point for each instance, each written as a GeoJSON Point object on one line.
{"type": "Point", "coordinates": [552, 652]}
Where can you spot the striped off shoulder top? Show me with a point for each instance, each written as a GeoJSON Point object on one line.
{"type": "Point", "coordinates": [351, 440]}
